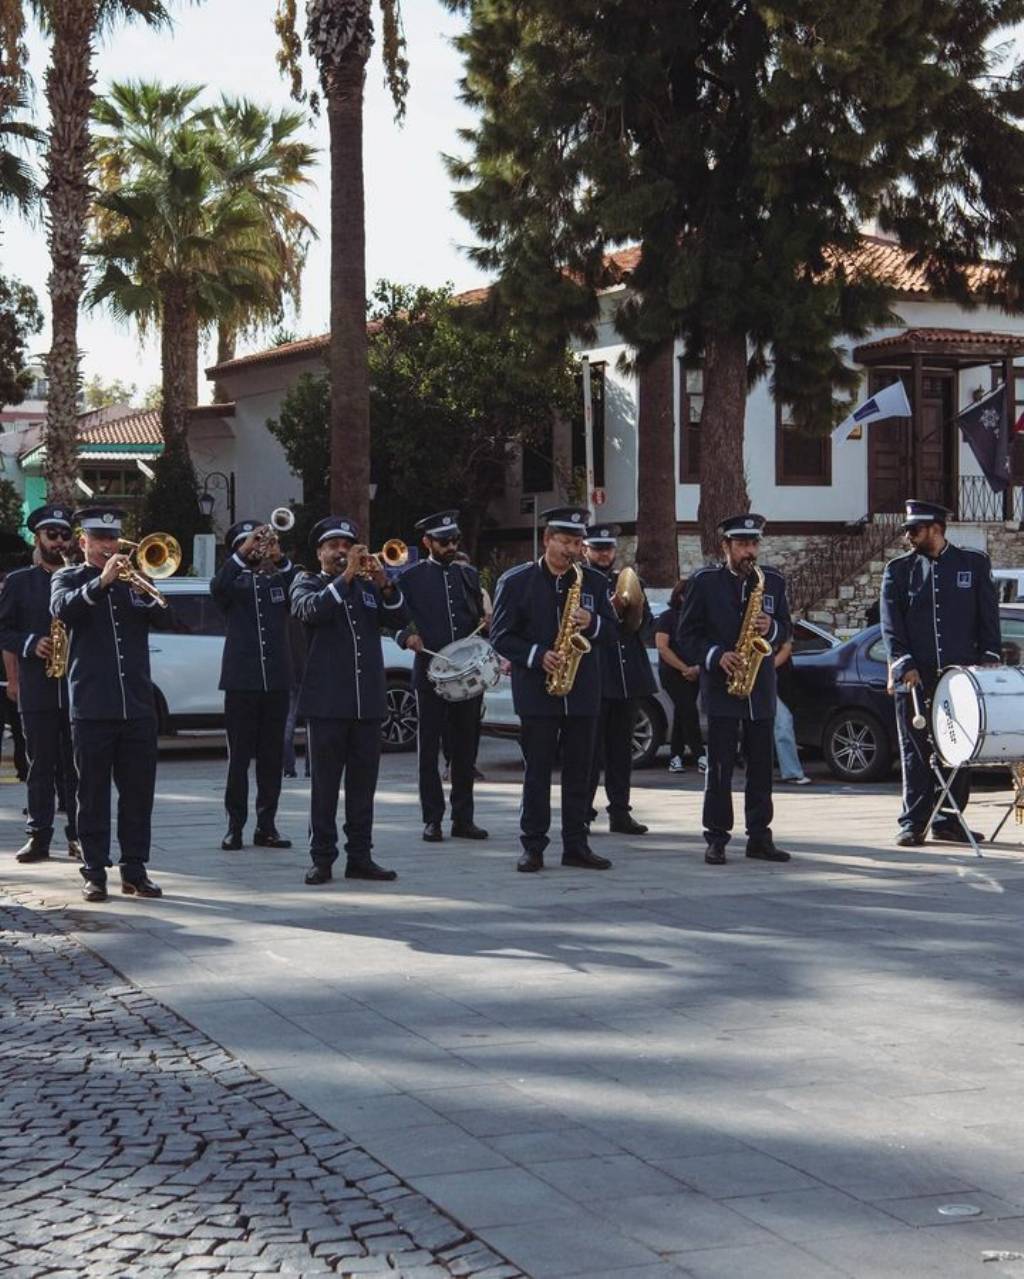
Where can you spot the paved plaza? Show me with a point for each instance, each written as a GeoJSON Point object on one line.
{"type": "Point", "coordinates": [773, 1072]}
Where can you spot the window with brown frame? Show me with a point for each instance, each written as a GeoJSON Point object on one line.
{"type": "Point", "coordinates": [800, 458]}
{"type": "Point", "coordinates": [691, 406]}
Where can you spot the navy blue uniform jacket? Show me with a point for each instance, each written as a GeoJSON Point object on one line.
{"type": "Point", "coordinates": [940, 612]}
{"type": "Point", "coordinates": [625, 667]}
{"type": "Point", "coordinates": [256, 649]}
{"type": "Point", "coordinates": [528, 607]}
{"type": "Point", "coordinates": [24, 621]}
{"type": "Point", "coordinates": [445, 603]}
{"type": "Point", "coordinates": [108, 634]}
{"type": "Point", "coordinates": [344, 675]}
{"type": "Point", "coordinates": [709, 625]}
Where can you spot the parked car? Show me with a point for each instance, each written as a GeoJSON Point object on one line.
{"type": "Point", "coordinates": [185, 665]}
{"type": "Point", "coordinates": [841, 706]}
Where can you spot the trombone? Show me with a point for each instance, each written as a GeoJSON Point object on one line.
{"type": "Point", "coordinates": [158, 555]}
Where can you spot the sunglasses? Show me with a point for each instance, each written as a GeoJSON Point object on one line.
{"type": "Point", "coordinates": [58, 534]}
{"type": "Point", "coordinates": [447, 541]}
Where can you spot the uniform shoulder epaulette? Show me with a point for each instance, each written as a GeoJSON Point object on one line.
{"type": "Point", "coordinates": [16, 572]}
{"type": "Point", "coordinates": [515, 571]}
{"type": "Point", "coordinates": [901, 558]}
{"type": "Point", "coordinates": [770, 568]}
{"type": "Point", "coordinates": [704, 570]}
{"type": "Point", "coordinates": [974, 550]}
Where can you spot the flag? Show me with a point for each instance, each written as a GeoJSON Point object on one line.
{"type": "Point", "coordinates": [891, 401]}
{"type": "Point", "coordinates": [984, 428]}
{"type": "Point", "coordinates": [1018, 426]}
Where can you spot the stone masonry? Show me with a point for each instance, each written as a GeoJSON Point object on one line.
{"type": "Point", "coordinates": [132, 1146]}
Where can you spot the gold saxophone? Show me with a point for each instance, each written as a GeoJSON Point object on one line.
{"type": "Point", "coordinates": [570, 645]}
{"type": "Point", "coordinates": [57, 662]}
{"type": "Point", "coordinates": [751, 647]}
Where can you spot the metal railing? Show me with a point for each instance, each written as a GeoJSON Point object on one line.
{"type": "Point", "coordinates": [976, 501]}
{"type": "Point", "coordinates": [820, 576]}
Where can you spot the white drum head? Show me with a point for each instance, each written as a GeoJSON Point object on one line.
{"type": "Point", "coordinates": [957, 714]}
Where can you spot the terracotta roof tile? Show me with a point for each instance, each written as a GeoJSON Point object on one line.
{"type": "Point", "coordinates": [945, 337]}
{"type": "Point", "coordinates": [134, 428]}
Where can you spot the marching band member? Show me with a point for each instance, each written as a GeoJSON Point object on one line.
{"type": "Point", "coordinates": [939, 608]}
{"type": "Point", "coordinates": [343, 692]}
{"type": "Point", "coordinates": [710, 625]}
{"type": "Point", "coordinates": [528, 610]}
{"type": "Point", "coordinates": [43, 701]}
{"type": "Point", "coordinates": [626, 676]}
{"type": "Point", "coordinates": [113, 714]}
{"type": "Point", "coordinates": [445, 602]}
{"type": "Point", "coordinates": [251, 590]}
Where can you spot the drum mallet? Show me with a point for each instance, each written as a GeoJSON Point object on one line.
{"type": "Point", "coordinates": [919, 720]}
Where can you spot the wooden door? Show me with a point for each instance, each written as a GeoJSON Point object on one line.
{"type": "Point", "coordinates": [936, 440]}
{"type": "Point", "coordinates": [929, 437]}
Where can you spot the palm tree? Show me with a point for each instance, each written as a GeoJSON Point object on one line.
{"type": "Point", "coordinates": [340, 36]}
{"type": "Point", "coordinates": [18, 189]}
{"type": "Point", "coordinates": [73, 27]}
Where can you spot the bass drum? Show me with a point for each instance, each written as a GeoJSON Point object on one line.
{"type": "Point", "coordinates": [463, 669]}
{"type": "Point", "coordinates": [978, 715]}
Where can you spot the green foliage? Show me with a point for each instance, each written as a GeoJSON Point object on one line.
{"type": "Point", "coordinates": [172, 500]}
{"type": "Point", "coordinates": [303, 432]}
{"type": "Point", "coordinates": [734, 144]}
{"type": "Point", "coordinates": [451, 396]}
{"type": "Point", "coordinates": [10, 508]}
{"type": "Point", "coordinates": [20, 318]}
{"type": "Point", "coordinates": [99, 394]}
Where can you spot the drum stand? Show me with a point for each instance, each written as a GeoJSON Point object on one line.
{"type": "Point", "coordinates": [946, 780]}
{"type": "Point", "coordinates": [1016, 805]}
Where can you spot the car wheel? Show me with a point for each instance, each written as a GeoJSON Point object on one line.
{"type": "Point", "coordinates": [856, 746]}
{"type": "Point", "coordinates": [648, 734]}
{"type": "Point", "coordinates": [398, 730]}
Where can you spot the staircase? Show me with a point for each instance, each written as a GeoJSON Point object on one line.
{"type": "Point", "coordinates": [837, 584]}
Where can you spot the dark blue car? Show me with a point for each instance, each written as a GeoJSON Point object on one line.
{"type": "Point", "coordinates": [841, 707]}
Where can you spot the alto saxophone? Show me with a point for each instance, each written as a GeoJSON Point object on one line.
{"type": "Point", "coordinates": [57, 662]}
{"type": "Point", "coordinates": [570, 645]}
{"type": "Point", "coordinates": [751, 647]}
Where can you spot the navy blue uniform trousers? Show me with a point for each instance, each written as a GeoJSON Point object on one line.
{"type": "Point", "coordinates": [51, 769]}
{"type": "Point", "coordinates": [458, 723]}
{"type": "Point", "coordinates": [541, 739]}
{"type": "Point", "coordinates": [920, 788]}
{"type": "Point", "coordinates": [339, 749]}
{"type": "Point", "coordinates": [254, 721]}
{"type": "Point", "coordinates": [724, 736]}
{"type": "Point", "coordinates": [613, 754]}
{"type": "Point", "coordinates": [125, 750]}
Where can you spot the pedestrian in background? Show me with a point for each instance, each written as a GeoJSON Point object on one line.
{"type": "Point", "coordinates": [682, 683]}
{"type": "Point", "coordinates": [790, 768]}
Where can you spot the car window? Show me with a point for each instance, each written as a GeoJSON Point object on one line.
{"type": "Point", "coordinates": [807, 641]}
{"type": "Point", "coordinates": [1012, 630]}
{"type": "Point", "coordinates": [877, 653]}
{"type": "Point", "coordinates": [196, 615]}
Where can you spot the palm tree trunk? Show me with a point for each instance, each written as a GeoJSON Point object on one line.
{"type": "Point", "coordinates": [723, 479]}
{"type": "Point", "coordinates": [657, 546]}
{"type": "Point", "coordinates": [350, 383]}
{"type": "Point", "coordinates": [178, 357]}
{"type": "Point", "coordinates": [69, 81]}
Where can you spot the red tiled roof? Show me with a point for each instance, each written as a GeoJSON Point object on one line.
{"type": "Point", "coordinates": [213, 410]}
{"type": "Point", "coordinates": [946, 337]}
{"type": "Point", "coordinates": [134, 428]}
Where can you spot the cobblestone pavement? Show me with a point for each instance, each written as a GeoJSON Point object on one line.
{"type": "Point", "coordinates": [132, 1145]}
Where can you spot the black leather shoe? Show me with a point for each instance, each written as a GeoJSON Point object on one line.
{"type": "Point", "coordinates": [75, 850]}
{"type": "Point", "coordinates": [586, 860]}
{"type": "Point", "coordinates": [432, 833]}
{"type": "Point", "coordinates": [318, 875]}
{"type": "Point", "coordinates": [468, 830]}
{"type": "Point", "coordinates": [955, 835]}
{"type": "Point", "coordinates": [94, 890]}
{"type": "Point", "coordinates": [767, 852]}
{"type": "Point", "coordinates": [36, 850]}
{"type": "Point", "coordinates": [627, 826]}
{"type": "Point", "coordinates": [530, 862]}
{"type": "Point", "coordinates": [143, 887]}
{"type": "Point", "coordinates": [270, 839]}
{"type": "Point", "coordinates": [714, 855]}
{"type": "Point", "coordinates": [909, 838]}
{"type": "Point", "coordinates": [232, 841]}
{"type": "Point", "coordinates": [369, 870]}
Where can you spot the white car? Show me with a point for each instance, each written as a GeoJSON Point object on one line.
{"type": "Point", "coordinates": [185, 666]}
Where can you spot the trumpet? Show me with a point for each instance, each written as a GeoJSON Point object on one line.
{"type": "Point", "coordinates": [282, 518]}
{"type": "Point", "coordinates": [158, 555]}
{"type": "Point", "coordinates": [393, 554]}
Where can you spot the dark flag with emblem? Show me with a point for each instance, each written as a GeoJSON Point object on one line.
{"type": "Point", "coordinates": [985, 430]}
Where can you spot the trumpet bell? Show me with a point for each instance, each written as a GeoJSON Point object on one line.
{"type": "Point", "coordinates": [394, 553]}
{"type": "Point", "coordinates": [158, 555]}
{"type": "Point", "coordinates": [630, 595]}
{"type": "Point", "coordinates": [282, 518]}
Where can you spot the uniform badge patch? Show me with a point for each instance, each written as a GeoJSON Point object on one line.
{"type": "Point", "coordinates": [587, 602]}
{"type": "Point", "coordinates": [964, 578]}
{"type": "Point", "coordinates": [768, 603]}
{"type": "Point", "coordinates": [369, 599]}
{"type": "Point", "coordinates": [277, 595]}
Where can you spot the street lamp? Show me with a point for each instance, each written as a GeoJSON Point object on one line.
{"type": "Point", "coordinates": [207, 500]}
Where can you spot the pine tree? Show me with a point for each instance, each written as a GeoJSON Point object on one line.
{"type": "Point", "coordinates": [738, 146]}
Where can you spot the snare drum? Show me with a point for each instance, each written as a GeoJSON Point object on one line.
{"type": "Point", "coordinates": [978, 715]}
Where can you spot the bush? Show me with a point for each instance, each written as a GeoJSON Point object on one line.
{"type": "Point", "coordinates": [172, 501]}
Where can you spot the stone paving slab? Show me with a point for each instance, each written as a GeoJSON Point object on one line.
{"type": "Point", "coordinates": [756, 1070]}
{"type": "Point", "coordinates": [130, 1143]}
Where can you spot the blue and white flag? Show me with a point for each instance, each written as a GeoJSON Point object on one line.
{"type": "Point", "coordinates": [891, 401]}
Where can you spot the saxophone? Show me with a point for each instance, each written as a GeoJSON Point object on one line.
{"type": "Point", "coordinates": [570, 645]}
{"type": "Point", "coordinates": [57, 662]}
{"type": "Point", "coordinates": [751, 647]}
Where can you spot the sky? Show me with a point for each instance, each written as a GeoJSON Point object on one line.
{"type": "Point", "coordinates": [413, 233]}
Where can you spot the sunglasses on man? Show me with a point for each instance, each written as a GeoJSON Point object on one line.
{"type": "Point", "coordinates": [58, 534]}
{"type": "Point", "coordinates": [447, 541]}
